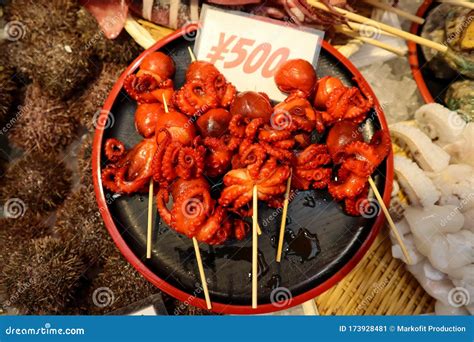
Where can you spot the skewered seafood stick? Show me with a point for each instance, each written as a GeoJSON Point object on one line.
{"type": "Point", "coordinates": [390, 221]}
{"type": "Point", "coordinates": [363, 20]}
{"type": "Point", "coordinates": [283, 219]}
{"type": "Point", "coordinates": [150, 220]}
{"type": "Point", "coordinates": [202, 274]}
{"type": "Point", "coordinates": [397, 11]}
{"type": "Point", "coordinates": [193, 59]}
{"type": "Point", "coordinates": [254, 247]}
{"type": "Point", "coordinates": [466, 4]}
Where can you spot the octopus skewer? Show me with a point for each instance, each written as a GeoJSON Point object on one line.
{"type": "Point", "coordinates": [254, 248]}
{"type": "Point", "coordinates": [283, 220]}
{"type": "Point", "coordinates": [197, 251]}
{"type": "Point", "coordinates": [149, 233]}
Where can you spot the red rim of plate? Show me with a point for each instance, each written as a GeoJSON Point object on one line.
{"type": "Point", "coordinates": [413, 55]}
{"type": "Point", "coordinates": [180, 294]}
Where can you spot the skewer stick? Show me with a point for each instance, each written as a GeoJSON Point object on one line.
{"type": "Point", "coordinates": [254, 247]}
{"type": "Point", "coordinates": [202, 274]}
{"type": "Point", "coordinates": [191, 53]}
{"type": "Point", "coordinates": [466, 4]}
{"type": "Point", "coordinates": [150, 220]}
{"type": "Point", "coordinates": [397, 11]}
{"type": "Point", "coordinates": [363, 20]}
{"type": "Point", "coordinates": [283, 219]}
{"type": "Point", "coordinates": [371, 41]}
{"type": "Point", "coordinates": [390, 221]}
{"type": "Point", "coordinates": [368, 29]}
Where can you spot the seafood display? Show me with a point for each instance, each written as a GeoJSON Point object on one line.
{"type": "Point", "coordinates": [435, 171]}
{"type": "Point", "coordinates": [206, 130]}
{"type": "Point", "coordinates": [450, 74]}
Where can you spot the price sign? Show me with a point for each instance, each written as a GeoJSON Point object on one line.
{"type": "Point", "coordinates": [248, 49]}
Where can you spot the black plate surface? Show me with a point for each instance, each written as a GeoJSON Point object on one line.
{"type": "Point", "coordinates": [305, 265]}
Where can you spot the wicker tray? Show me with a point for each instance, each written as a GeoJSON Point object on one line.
{"type": "Point", "coordinates": [379, 285]}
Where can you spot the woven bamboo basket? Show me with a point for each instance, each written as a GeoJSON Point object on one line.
{"type": "Point", "coordinates": [379, 284]}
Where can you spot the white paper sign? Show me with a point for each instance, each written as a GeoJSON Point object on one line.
{"type": "Point", "coordinates": [249, 49]}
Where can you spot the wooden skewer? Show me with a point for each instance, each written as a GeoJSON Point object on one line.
{"type": "Point", "coordinates": [397, 11]}
{"type": "Point", "coordinates": [390, 221]}
{"type": "Point", "coordinates": [283, 219]}
{"type": "Point", "coordinates": [191, 53]}
{"type": "Point", "coordinates": [150, 220]}
{"type": "Point", "coordinates": [400, 33]}
{"type": "Point", "coordinates": [254, 247]}
{"type": "Point", "coordinates": [371, 41]}
{"type": "Point", "coordinates": [202, 274]}
{"type": "Point", "coordinates": [310, 308]}
{"type": "Point", "coordinates": [466, 4]}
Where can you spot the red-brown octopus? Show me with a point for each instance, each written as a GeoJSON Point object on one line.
{"type": "Point", "coordinates": [205, 88]}
{"type": "Point", "coordinates": [358, 160]}
{"type": "Point", "coordinates": [339, 102]}
{"type": "Point", "coordinates": [128, 171]}
{"type": "Point", "coordinates": [153, 81]}
{"type": "Point", "coordinates": [194, 212]}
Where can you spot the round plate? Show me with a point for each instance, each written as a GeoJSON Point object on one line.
{"type": "Point", "coordinates": [323, 244]}
{"type": "Point", "coordinates": [432, 89]}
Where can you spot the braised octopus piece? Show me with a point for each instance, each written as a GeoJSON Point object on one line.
{"type": "Point", "coordinates": [129, 171]}
{"type": "Point", "coordinates": [341, 134]}
{"type": "Point", "coordinates": [311, 168]}
{"type": "Point", "coordinates": [276, 143]}
{"type": "Point", "coordinates": [252, 105]}
{"type": "Point", "coordinates": [238, 186]}
{"type": "Point", "coordinates": [195, 214]}
{"type": "Point", "coordinates": [296, 75]}
{"type": "Point", "coordinates": [174, 159]}
{"type": "Point", "coordinates": [214, 123]}
{"type": "Point", "coordinates": [153, 79]}
{"type": "Point", "coordinates": [296, 113]}
{"type": "Point", "coordinates": [342, 103]}
{"type": "Point", "coordinates": [178, 125]}
{"type": "Point", "coordinates": [359, 161]}
{"type": "Point", "coordinates": [325, 86]}
{"type": "Point", "coordinates": [200, 70]}
{"type": "Point", "coordinates": [219, 155]}
{"type": "Point", "coordinates": [146, 117]}
{"type": "Point", "coordinates": [205, 88]}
